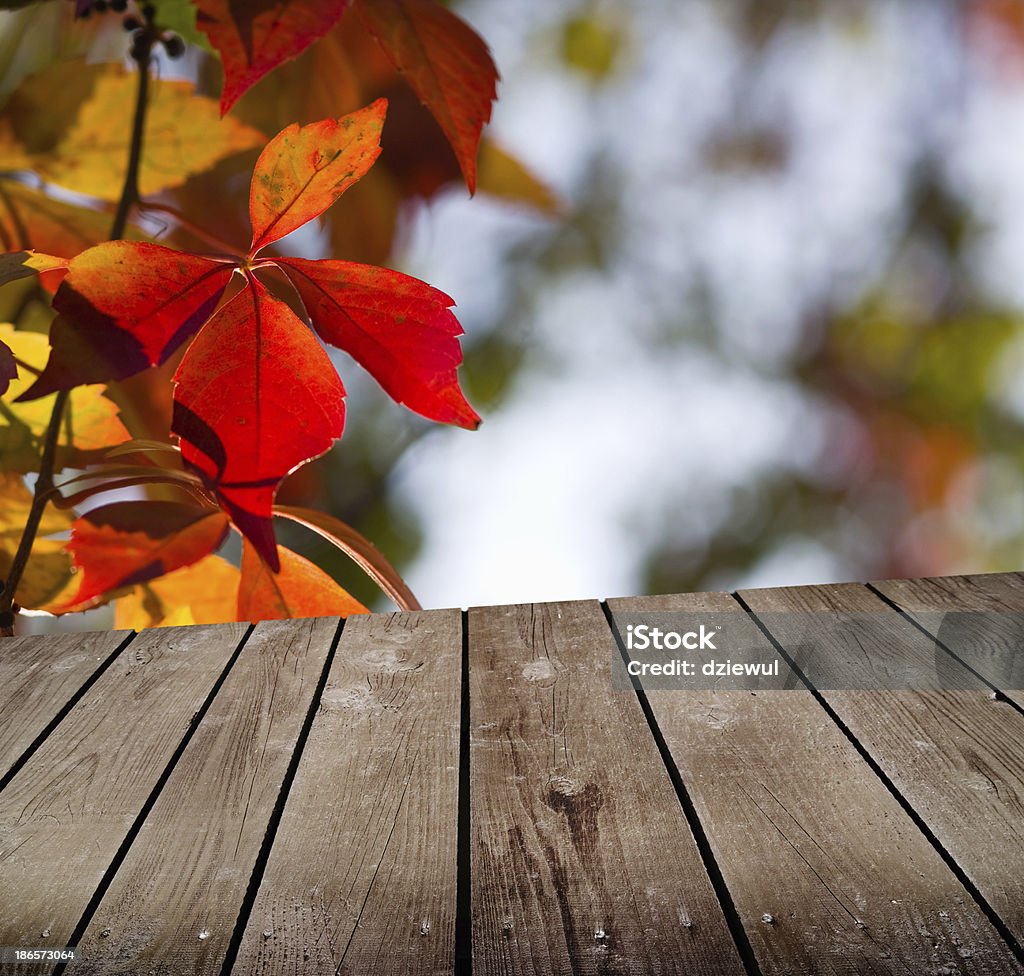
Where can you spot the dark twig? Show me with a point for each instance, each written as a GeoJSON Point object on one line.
{"type": "Point", "coordinates": [141, 52]}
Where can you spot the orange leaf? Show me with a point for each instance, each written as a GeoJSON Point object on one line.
{"type": "Point", "coordinates": [445, 62]}
{"type": "Point", "coordinates": [255, 397]}
{"type": "Point", "coordinates": [395, 326]}
{"type": "Point", "coordinates": [300, 589]}
{"type": "Point", "coordinates": [357, 547]}
{"type": "Point", "coordinates": [132, 542]}
{"type": "Point", "coordinates": [204, 593]}
{"type": "Point", "coordinates": [255, 36]}
{"type": "Point", "coordinates": [304, 170]}
{"type": "Point", "coordinates": [124, 307]}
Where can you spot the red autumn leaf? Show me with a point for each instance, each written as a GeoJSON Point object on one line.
{"type": "Point", "coordinates": [303, 170]}
{"type": "Point", "coordinates": [125, 306]}
{"type": "Point", "coordinates": [300, 589]}
{"type": "Point", "coordinates": [255, 397]}
{"type": "Point", "coordinates": [397, 327]}
{"type": "Point", "coordinates": [132, 542]}
{"type": "Point", "coordinates": [8, 367]}
{"type": "Point", "coordinates": [254, 36]}
{"type": "Point", "coordinates": [445, 62]}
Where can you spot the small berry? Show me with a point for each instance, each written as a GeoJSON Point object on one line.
{"type": "Point", "coordinates": [100, 6]}
{"type": "Point", "coordinates": [174, 46]}
{"type": "Point", "coordinates": [131, 23]}
{"type": "Point", "coordinates": [119, 6]}
{"type": "Point", "coordinates": [149, 12]}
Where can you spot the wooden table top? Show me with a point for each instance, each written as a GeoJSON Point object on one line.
{"type": "Point", "coordinates": [471, 792]}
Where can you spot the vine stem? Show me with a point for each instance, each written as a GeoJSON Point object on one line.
{"type": "Point", "coordinates": [141, 52]}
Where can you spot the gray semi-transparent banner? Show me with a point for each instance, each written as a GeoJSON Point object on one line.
{"type": "Point", "coordinates": [679, 651]}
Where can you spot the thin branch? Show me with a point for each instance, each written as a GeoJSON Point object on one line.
{"type": "Point", "coordinates": [130, 193]}
{"type": "Point", "coordinates": [44, 484]}
{"type": "Point", "coordinates": [47, 464]}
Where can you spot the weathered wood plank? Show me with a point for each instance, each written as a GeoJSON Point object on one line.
{"type": "Point", "coordinates": [954, 754]}
{"type": "Point", "coordinates": [38, 677]}
{"type": "Point", "coordinates": [68, 810]}
{"type": "Point", "coordinates": [582, 859]}
{"type": "Point", "coordinates": [174, 902]}
{"type": "Point", "coordinates": [995, 650]}
{"type": "Point", "coordinates": [805, 834]}
{"type": "Point", "coordinates": [361, 875]}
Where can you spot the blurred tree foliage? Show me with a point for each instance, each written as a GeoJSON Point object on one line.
{"type": "Point", "coordinates": [924, 472]}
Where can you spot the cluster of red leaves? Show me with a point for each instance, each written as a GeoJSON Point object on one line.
{"type": "Point", "coordinates": [443, 59]}
{"type": "Point", "coordinates": [255, 395]}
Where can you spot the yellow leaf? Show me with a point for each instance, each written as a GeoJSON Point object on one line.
{"type": "Point", "coordinates": [592, 45]}
{"type": "Point", "coordinates": [15, 501]}
{"type": "Point", "coordinates": [12, 153]}
{"type": "Point", "coordinates": [47, 578]}
{"type": "Point", "coordinates": [48, 571]}
{"type": "Point", "coordinates": [91, 422]}
{"type": "Point", "coordinates": [182, 617]}
{"type": "Point", "coordinates": [42, 109]}
{"type": "Point", "coordinates": [184, 135]}
{"type": "Point", "coordinates": [204, 593]}
{"type": "Point", "coordinates": [500, 174]}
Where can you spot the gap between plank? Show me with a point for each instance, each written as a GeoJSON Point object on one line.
{"type": "Point", "coordinates": [463, 879]}
{"type": "Point", "coordinates": [707, 855]}
{"type": "Point", "coordinates": [133, 832]}
{"type": "Point", "coordinates": [34, 745]}
{"type": "Point", "coordinates": [260, 867]}
{"type": "Point", "coordinates": [990, 913]}
{"type": "Point", "coordinates": [938, 643]}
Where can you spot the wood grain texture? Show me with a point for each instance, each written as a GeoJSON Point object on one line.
{"type": "Point", "coordinates": [361, 875]}
{"type": "Point", "coordinates": [805, 834]}
{"type": "Point", "coordinates": [174, 902]}
{"type": "Point", "coordinates": [38, 677]}
{"type": "Point", "coordinates": [582, 859]}
{"type": "Point", "coordinates": [956, 755]}
{"type": "Point", "coordinates": [67, 811]}
{"type": "Point", "coordinates": [992, 646]}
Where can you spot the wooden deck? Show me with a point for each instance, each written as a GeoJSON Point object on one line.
{"type": "Point", "coordinates": [444, 792]}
